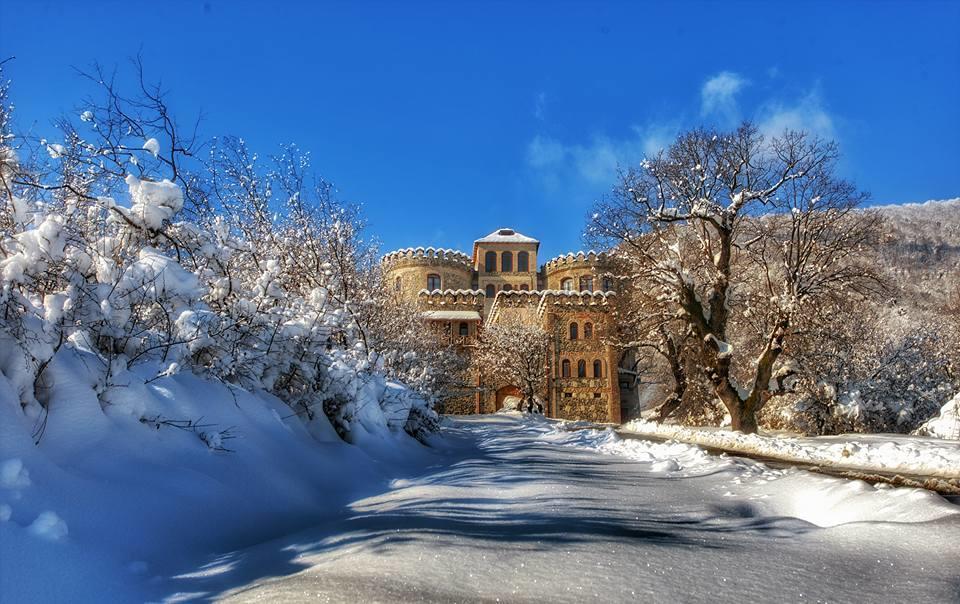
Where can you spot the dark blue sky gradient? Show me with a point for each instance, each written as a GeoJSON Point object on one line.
{"type": "Point", "coordinates": [516, 113]}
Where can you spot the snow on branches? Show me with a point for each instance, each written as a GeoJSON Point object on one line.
{"type": "Point", "coordinates": [733, 231]}
{"type": "Point", "coordinates": [126, 250]}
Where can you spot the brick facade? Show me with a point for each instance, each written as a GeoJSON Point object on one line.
{"type": "Point", "coordinates": [499, 280]}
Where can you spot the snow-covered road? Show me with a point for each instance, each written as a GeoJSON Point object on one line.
{"type": "Point", "coordinates": [520, 511]}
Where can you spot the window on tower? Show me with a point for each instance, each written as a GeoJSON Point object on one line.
{"type": "Point", "coordinates": [523, 262]}
{"type": "Point", "coordinates": [490, 262]}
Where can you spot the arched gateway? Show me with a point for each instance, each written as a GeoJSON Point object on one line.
{"type": "Point", "coordinates": [506, 391]}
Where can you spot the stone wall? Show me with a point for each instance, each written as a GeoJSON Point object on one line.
{"type": "Point", "coordinates": [575, 266]}
{"type": "Point", "coordinates": [412, 266]}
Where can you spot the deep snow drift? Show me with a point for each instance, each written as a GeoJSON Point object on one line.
{"type": "Point", "coordinates": [522, 510]}
{"type": "Point", "coordinates": [108, 506]}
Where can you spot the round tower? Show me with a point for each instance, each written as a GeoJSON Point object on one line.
{"type": "Point", "coordinates": [583, 271]}
{"type": "Point", "coordinates": [410, 270]}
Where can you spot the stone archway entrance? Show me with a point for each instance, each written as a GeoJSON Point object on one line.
{"type": "Point", "coordinates": [504, 393]}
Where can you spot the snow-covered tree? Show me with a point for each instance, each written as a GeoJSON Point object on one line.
{"type": "Point", "coordinates": [119, 244]}
{"type": "Point", "coordinates": [514, 352]}
{"type": "Point", "coordinates": [736, 231]}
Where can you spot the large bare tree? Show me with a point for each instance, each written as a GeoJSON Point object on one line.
{"type": "Point", "coordinates": [735, 230]}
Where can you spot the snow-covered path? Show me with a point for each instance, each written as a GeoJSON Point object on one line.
{"type": "Point", "coordinates": [520, 511]}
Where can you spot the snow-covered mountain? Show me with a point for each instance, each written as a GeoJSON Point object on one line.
{"type": "Point", "coordinates": [921, 250]}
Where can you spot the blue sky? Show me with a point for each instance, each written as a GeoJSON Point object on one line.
{"type": "Point", "coordinates": [450, 119]}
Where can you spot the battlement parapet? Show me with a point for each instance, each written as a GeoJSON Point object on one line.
{"type": "Point", "coordinates": [577, 260]}
{"type": "Point", "coordinates": [427, 256]}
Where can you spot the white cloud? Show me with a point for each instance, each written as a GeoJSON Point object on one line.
{"type": "Point", "coordinates": [596, 162]}
{"type": "Point", "coordinates": [587, 165]}
{"type": "Point", "coordinates": [806, 113]}
{"type": "Point", "coordinates": [719, 95]}
{"type": "Point", "coordinates": [543, 152]}
{"type": "Point", "coordinates": [539, 106]}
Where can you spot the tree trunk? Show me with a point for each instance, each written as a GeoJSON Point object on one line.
{"type": "Point", "coordinates": [743, 420]}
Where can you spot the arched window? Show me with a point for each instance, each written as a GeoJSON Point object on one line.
{"type": "Point", "coordinates": [567, 285]}
{"type": "Point", "coordinates": [465, 331]}
{"type": "Point", "coordinates": [491, 291]}
{"type": "Point", "coordinates": [565, 368]}
{"type": "Point", "coordinates": [523, 262]}
{"type": "Point", "coordinates": [507, 287]}
{"type": "Point", "coordinates": [525, 287]}
{"type": "Point", "coordinates": [581, 368]}
{"type": "Point", "coordinates": [433, 282]}
{"type": "Point", "coordinates": [506, 262]}
{"type": "Point", "coordinates": [573, 331]}
{"type": "Point", "coordinates": [586, 283]}
{"type": "Point", "coordinates": [597, 369]}
{"type": "Point", "coordinates": [397, 284]}
{"type": "Point", "coordinates": [607, 284]}
{"type": "Point", "coordinates": [490, 262]}
{"type": "Point", "coordinates": [587, 330]}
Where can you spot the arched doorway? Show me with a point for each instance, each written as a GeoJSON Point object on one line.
{"type": "Point", "coordinates": [505, 392]}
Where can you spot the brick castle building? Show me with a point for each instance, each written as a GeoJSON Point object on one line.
{"type": "Point", "coordinates": [568, 296]}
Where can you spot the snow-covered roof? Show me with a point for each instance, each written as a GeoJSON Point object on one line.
{"type": "Point", "coordinates": [506, 235]}
{"type": "Point", "coordinates": [452, 315]}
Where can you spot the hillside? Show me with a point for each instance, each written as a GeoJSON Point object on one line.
{"type": "Point", "coordinates": [921, 250]}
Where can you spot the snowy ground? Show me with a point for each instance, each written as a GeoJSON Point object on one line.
{"type": "Point", "coordinates": [105, 508]}
{"type": "Point", "coordinates": [518, 510]}
{"type": "Point", "coordinates": [917, 455]}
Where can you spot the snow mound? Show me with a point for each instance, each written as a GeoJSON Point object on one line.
{"type": "Point", "coordinates": [946, 424]}
{"type": "Point", "coordinates": [818, 500]}
{"type": "Point", "coordinates": [161, 468]}
{"type": "Point", "coordinates": [867, 452]}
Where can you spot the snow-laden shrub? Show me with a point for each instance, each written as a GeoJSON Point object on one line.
{"type": "Point", "coordinates": [946, 424]}
{"type": "Point", "coordinates": [878, 370]}
{"type": "Point", "coordinates": [115, 250]}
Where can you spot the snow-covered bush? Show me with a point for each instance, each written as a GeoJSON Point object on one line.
{"type": "Point", "coordinates": [869, 369]}
{"type": "Point", "coordinates": [121, 245]}
{"type": "Point", "coordinates": [946, 424]}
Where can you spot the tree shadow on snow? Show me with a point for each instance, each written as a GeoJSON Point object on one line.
{"type": "Point", "coordinates": [508, 493]}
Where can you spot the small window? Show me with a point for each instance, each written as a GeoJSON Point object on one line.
{"type": "Point", "coordinates": [465, 329]}
{"type": "Point", "coordinates": [525, 287]}
{"type": "Point", "coordinates": [397, 284]}
{"type": "Point", "coordinates": [490, 262]}
{"type": "Point", "coordinates": [567, 285]}
{"type": "Point", "coordinates": [567, 395]}
{"type": "Point", "coordinates": [581, 368]}
{"type": "Point", "coordinates": [597, 369]}
{"type": "Point", "coordinates": [565, 368]}
{"type": "Point", "coordinates": [573, 331]}
{"type": "Point", "coordinates": [586, 284]}
{"type": "Point", "coordinates": [607, 284]}
{"type": "Point", "coordinates": [587, 330]}
{"type": "Point", "coordinates": [506, 262]}
{"type": "Point", "coordinates": [491, 291]}
{"type": "Point", "coordinates": [523, 262]}
{"type": "Point", "coordinates": [507, 287]}
{"type": "Point", "coordinates": [433, 282]}
{"type": "Point", "coordinates": [596, 395]}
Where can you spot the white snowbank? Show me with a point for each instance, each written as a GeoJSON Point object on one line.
{"type": "Point", "coordinates": [946, 424]}
{"type": "Point", "coordinates": [820, 500]}
{"type": "Point", "coordinates": [121, 491]}
{"type": "Point", "coordinates": [873, 452]}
